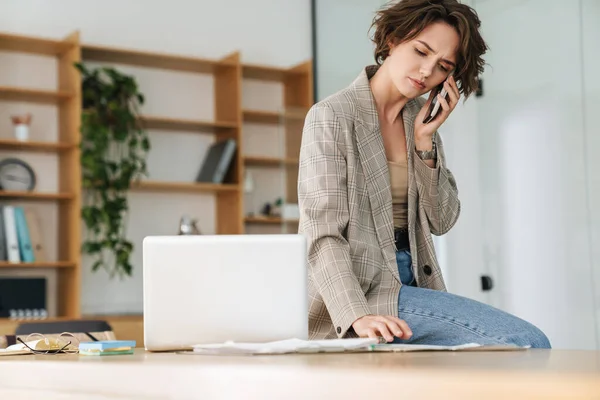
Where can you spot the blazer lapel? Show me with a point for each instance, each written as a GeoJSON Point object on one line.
{"type": "Point", "coordinates": [411, 109]}
{"type": "Point", "coordinates": [374, 163]}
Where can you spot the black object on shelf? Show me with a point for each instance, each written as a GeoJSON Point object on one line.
{"type": "Point", "coordinates": [23, 298]}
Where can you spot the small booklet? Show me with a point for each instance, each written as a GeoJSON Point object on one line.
{"type": "Point", "coordinates": [333, 346]}
{"type": "Point", "coordinates": [107, 347]}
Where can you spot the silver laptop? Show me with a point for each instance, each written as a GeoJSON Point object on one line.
{"type": "Point", "coordinates": [215, 288]}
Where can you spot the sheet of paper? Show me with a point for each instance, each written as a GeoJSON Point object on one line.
{"type": "Point", "coordinates": [396, 347]}
{"type": "Point", "coordinates": [12, 352]}
{"type": "Point", "coordinates": [286, 346]}
{"type": "Point", "coordinates": [335, 346]}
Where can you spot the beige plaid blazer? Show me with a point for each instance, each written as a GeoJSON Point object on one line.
{"type": "Point", "coordinates": [345, 201]}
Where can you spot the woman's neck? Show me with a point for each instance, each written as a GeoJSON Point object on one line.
{"type": "Point", "coordinates": [388, 100]}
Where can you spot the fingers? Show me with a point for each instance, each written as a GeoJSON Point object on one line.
{"type": "Point", "coordinates": [372, 334]}
{"type": "Point", "coordinates": [444, 104]}
{"type": "Point", "coordinates": [405, 329]}
{"type": "Point", "coordinates": [399, 327]}
{"type": "Point", "coordinates": [423, 110]}
{"type": "Point", "coordinates": [387, 327]}
{"type": "Point", "coordinates": [394, 326]}
{"type": "Point", "coordinates": [382, 327]}
{"type": "Point", "coordinates": [454, 86]}
{"type": "Point", "coordinates": [451, 94]}
{"type": "Point", "coordinates": [453, 91]}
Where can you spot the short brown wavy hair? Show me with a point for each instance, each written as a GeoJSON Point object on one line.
{"type": "Point", "coordinates": [405, 19]}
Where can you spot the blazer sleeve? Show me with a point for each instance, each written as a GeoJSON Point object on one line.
{"type": "Point", "coordinates": [323, 203]}
{"type": "Point", "coordinates": [438, 193]}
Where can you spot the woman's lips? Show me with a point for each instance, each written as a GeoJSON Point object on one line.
{"type": "Point", "coordinates": [416, 83]}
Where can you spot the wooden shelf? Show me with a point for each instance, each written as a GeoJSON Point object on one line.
{"type": "Point", "coordinates": [35, 195]}
{"type": "Point", "coordinates": [49, 264]}
{"type": "Point", "coordinates": [151, 59]}
{"type": "Point", "coordinates": [33, 146]}
{"type": "Point", "coordinates": [254, 161]}
{"type": "Point", "coordinates": [269, 220]}
{"type": "Point", "coordinates": [262, 117]}
{"type": "Point", "coordinates": [25, 44]}
{"type": "Point", "coordinates": [263, 72]}
{"type": "Point", "coordinates": [32, 95]}
{"type": "Point", "coordinates": [184, 187]}
{"type": "Point", "coordinates": [271, 117]}
{"type": "Point", "coordinates": [154, 122]}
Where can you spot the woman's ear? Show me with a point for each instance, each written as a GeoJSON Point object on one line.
{"type": "Point", "coordinates": [391, 45]}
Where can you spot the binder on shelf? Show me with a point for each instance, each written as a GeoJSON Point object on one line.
{"type": "Point", "coordinates": [25, 247]}
{"type": "Point", "coordinates": [3, 247]}
{"type": "Point", "coordinates": [35, 235]}
{"type": "Point", "coordinates": [12, 241]}
{"type": "Point", "coordinates": [217, 161]}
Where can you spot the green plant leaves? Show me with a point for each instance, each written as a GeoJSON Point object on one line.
{"type": "Point", "coordinates": [113, 155]}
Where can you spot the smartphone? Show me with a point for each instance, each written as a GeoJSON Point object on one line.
{"type": "Point", "coordinates": [435, 107]}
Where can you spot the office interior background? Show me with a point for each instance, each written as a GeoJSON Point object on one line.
{"type": "Point", "coordinates": [524, 152]}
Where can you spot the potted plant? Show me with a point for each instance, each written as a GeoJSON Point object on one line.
{"type": "Point", "coordinates": [114, 148]}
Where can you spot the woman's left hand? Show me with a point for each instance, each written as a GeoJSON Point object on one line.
{"type": "Point", "coordinates": [426, 131]}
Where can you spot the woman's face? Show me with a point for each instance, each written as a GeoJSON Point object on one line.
{"type": "Point", "coordinates": [422, 63]}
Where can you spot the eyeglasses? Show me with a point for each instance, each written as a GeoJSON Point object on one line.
{"type": "Point", "coordinates": [38, 343]}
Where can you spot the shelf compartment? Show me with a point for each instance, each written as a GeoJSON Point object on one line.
{"type": "Point", "coordinates": [256, 161]}
{"type": "Point", "coordinates": [34, 146]}
{"type": "Point", "coordinates": [263, 72]}
{"type": "Point", "coordinates": [24, 44]}
{"type": "Point", "coordinates": [41, 264]}
{"type": "Point", "coordinates": [32, 95]}
{"type": "Point", "coordinates": [151, 59]}
{"type": "Point", "coordinates": [269, 220]}
{"type": "Point", "coordinates": [271, 117]}
{"type": "Point", "coordinates": [262, 117]}
{"type": "Point", "coordinates": [184, 187]}
{"type": "Point", "coordinates": [155, 122]}
{"type": "Point", "coordinates": [34, 195]}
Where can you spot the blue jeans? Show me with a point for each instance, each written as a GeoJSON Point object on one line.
{"type": "Point", "coordinates": [441, 318]}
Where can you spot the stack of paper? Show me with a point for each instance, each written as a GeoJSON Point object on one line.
{"type": "Point", "coordinates": [286, 346]}
{"type": "Point", "coordinates": [334, 346]}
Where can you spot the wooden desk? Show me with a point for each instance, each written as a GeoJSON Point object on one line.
{"type": "Point", "coordinates": [437, 375]}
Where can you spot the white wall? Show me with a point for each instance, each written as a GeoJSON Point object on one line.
{"type": "Point", "coordinates": [266, 31]}
{"type": "Point", "coordinates": [344, 47]}
{"type": "Point", "coordinates": [272, 32]}
{"type": "Point", "coordinates": [590, 30]}
{"type": "Point", "coordinates": [536, 188]}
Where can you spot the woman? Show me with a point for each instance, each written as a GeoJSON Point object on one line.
{"type": "Point", "coordinates": [373, 186]}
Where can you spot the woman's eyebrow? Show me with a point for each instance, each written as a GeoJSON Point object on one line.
{"type": "Point", "coordinates": [433, 51]}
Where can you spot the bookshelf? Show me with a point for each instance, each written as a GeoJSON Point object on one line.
{"type": "Point", "coordinates": [67, 100]}
{"type": "Point", "coordinates": [297, 87]}
{"type": "Point", "coordinates": [229, 116]}
{"type": "Point", "coordinates": [225, 124]}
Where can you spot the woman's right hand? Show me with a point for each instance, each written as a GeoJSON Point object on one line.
{"type": "Point", "coordinates": [374, 326]}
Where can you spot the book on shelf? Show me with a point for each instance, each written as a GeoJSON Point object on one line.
{"type": "Point", "coordinates": [20, 235]}
{"type": "Point", "coordinates": [217, 161]}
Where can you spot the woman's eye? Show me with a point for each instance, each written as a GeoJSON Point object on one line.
{"type": "Point", "coordinates": [420, 52]}
{"type": "Point", "coordinates": [444, 68]}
